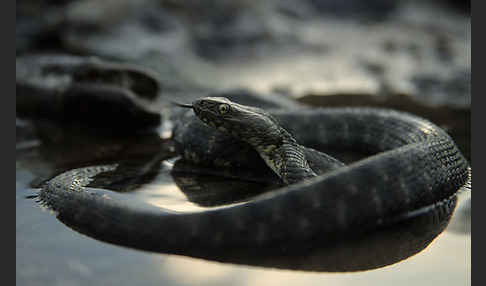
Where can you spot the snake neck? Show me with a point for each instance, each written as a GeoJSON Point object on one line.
{"type": "Point", "coordinates": [283, 155]}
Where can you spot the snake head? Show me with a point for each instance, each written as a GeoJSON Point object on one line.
{"type": "Point", "coordinates": [241, 121]}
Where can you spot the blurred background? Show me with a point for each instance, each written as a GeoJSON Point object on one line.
{"type": "Point", "coordinates": [408, 55]}
{"type": "Point", "coordinates": [412, 55]}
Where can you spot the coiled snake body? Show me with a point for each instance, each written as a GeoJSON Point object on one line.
{"type": "Point", "coordinates": [416, 168]}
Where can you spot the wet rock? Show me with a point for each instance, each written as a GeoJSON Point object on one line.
{"type": "Point", "coordinates": [86, 90]}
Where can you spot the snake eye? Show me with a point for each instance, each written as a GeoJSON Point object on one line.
{"type": "Point", "coordinates": [223, 108]}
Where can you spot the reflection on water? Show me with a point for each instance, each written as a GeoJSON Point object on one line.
{"type": "Point", "coordinates": [153, 185]}
{"type": "Point", "coordinates": [165, 193]}
{"type": "Point", "coordinates": [445, 262]}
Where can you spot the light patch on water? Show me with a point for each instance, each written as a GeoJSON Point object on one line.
{"type": "Point", "coordinates": [446, 261]}
{"type": "Point", "coordinates": [201, 272]}
{"type": "Point", "coordinates": [165, 129]}
{"type": "Point", "coordinates": [165, 193]}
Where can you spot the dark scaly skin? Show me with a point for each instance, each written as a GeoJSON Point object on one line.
{"type": "Point", "coordinates": [418, 169]}
{"type": "Point", "coordinates": [262, 132]}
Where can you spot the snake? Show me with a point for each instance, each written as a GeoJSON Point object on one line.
{"type": "Point", "coordinates": [412, 167]}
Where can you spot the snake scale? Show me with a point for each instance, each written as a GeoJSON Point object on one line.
{"type": "Point", "coordinates": [414, 168]}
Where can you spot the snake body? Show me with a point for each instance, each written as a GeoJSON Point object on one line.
{"type": "Point", "coordinates": [415, 168]}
